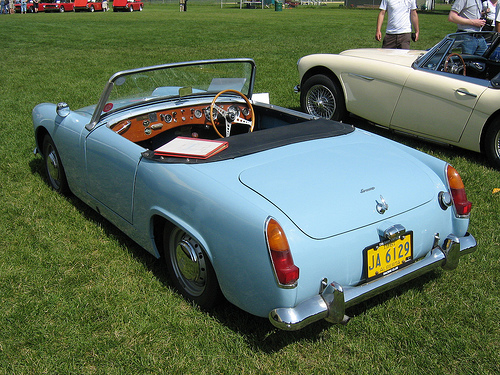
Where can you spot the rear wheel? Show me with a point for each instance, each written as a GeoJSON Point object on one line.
{"type": "Point", "coordinates": [321, 97]}
{"type": "Point", "coordinates": [492, 143]}
{"type": "Point", "coordinates": [53, 166]}
{"type": "Point", "coordinates": [189, 268]}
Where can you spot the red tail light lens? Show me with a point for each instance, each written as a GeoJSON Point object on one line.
{"type": "Point", "coordinates": [462, 205]}
{"type": "Point", "coordinates": [286, 271]}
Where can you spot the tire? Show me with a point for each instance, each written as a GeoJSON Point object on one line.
{"type": "Point", "coordinates": [53, 166]}
{"type": "Point", "coordinates": [189, 268]}
{"type": "Point", "coordinates": [61, 9]}
{"type": "Point", "coordinates": [321, 97]}
{"type": "Point", "coordinates": [131, 8]}
{"type": "Point", "coordinates": [140, 8]}
{"type": "Point", "coordinates": [91, 9]}
{"type": "Point", "coordinates": [492, 144]}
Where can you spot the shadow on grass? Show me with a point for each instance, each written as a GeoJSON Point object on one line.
{"type": "Point", "coordinates": [258, 332]}
{"type": "Point", "coordinates": [261, 335]}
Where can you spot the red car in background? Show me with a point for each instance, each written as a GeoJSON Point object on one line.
{"type": "Point", "coordinates": [48, 6]}
{"type": "Point", "coordinates": [56, 6]}
{"type": "Point", "coordinates": [127, 5]}
{"type": "Point", "coordinates": [29, 8]}
{"type": "Point", "coordinates": [90, 5]}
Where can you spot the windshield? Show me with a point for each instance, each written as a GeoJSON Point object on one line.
{"type": "Point", "coordinates": [176, 80]}
{"type": "Point", "coordinates": [479, 44]}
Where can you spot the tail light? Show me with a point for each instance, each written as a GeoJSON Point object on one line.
{"type": "Point", "coordinates": [285, 270]}
{"type": "Point", "coordinates": [462, 205]}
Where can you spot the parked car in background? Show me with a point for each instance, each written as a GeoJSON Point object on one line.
{"type": "Point", "coordinates": [60, 6]}
{"type": "Point", "coordinates": [448, 94]}
{"type": "Point", "coordinates": [29, 8]}
{"type": "Point", "coordinates": [286, 216]}
{"type": "Point", "coordinates": [127, 5]}
{"type": "Point", "coordinates": [89, 5]}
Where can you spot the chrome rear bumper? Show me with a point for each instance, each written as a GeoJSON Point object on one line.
{"type": "Point", "coordinates": [335, 299]}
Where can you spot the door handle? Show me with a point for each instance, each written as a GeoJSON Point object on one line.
{"type": "Point", "coordinates": [465, 92]}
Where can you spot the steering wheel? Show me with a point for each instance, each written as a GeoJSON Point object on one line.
{"type": "Point", "coordinates": [232, 115]}
{"type": "Point", "coordinates": [454, 68]}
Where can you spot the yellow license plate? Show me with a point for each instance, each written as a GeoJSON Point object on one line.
{"type": "Point", "coordinates": [386, 257]}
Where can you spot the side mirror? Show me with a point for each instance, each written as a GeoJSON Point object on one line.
{"type": "Point", "coordinates": [62, 109]}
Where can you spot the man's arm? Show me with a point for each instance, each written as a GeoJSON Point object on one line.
{"type": "Point", "coordinates": [414, 22]}
{"type": "Point", "coordinates": [380, 20]}
{"type": "Point", "coordinates": [459, 20]}
{"type": "Point", "coordinates": [497, 18]}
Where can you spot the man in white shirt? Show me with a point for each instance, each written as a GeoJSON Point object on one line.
{"type": "Point", "coordinates": [401, 15]}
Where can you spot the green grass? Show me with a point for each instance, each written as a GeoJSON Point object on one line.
{"type": "Point", "coordinates": [76, 296]}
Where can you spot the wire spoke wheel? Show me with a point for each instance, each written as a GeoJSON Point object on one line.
{"type": "Point", "coordinates": [491, 143]}
{"type": "Point", "coordinates": [320, 102]}
{"type": "Point", "coordinates": [321, 97]}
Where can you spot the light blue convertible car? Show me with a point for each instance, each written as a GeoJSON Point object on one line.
{"type": "Point", "coordinates": [285, 215]}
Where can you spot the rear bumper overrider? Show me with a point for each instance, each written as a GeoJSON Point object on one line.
{"type": "Point", "coordinates": [335, 298]}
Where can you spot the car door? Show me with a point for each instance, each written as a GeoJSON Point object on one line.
{"type": "Point", "coordinates": [437, 105]}
{"type": "Point", "coordinates": [372, 90]}
{"type": "Point", "coordinates": [111, 164]}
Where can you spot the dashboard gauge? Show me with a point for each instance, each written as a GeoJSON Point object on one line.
{"type": "Point", "coordinates": [153, 117]}
{"type": "Point", "coordinates": [146, 122]}
{"type": "Point", "coordinates": [197, 113]}
{"type": "Point", "coordinates": [245, 111]}
{"type": "Point", "coordinates": [234, 109]}
{"type": "Point", "coordinates": [207, 113]}
{"type": "Point", "coordinates": [167, 118]}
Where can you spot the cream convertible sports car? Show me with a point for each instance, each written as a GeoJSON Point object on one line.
{"type": "Point", "coordinates": [449, 94]}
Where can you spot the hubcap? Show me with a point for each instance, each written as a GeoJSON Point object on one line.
{"type": "Point", "coordinates": [188, 262]}
{"type": "Point", "coordinates": [320, 102]}
{"type": "Point", "coordinates": [53, 167]}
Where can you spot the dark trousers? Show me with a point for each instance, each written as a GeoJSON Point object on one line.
{"type": "Point", "coordinates": [397, 41]}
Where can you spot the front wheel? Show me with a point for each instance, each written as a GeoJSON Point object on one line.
{"type": "Point", "coordinates": [321, 97]}
{"type": "Point", "coordinates": [492, 144]}
{"type": "Point", "coordinates": [189, 268]}
{"type": "Point", "coordinates": [53, 166]}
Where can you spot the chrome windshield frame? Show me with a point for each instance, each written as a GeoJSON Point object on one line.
{"type": "Point", "coordinates": [97, 115]}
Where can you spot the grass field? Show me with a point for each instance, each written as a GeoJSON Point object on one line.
{"type": "Point", "coordinates": [76, 296]}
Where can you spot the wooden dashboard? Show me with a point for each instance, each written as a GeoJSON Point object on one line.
{"type": "Point", "coordinates": [149, 125]}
